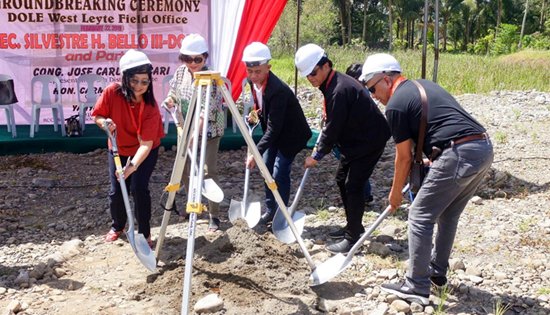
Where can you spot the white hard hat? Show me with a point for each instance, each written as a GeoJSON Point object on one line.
{"type": "Point", "coordinates": [307, 58]}
{"type": "Point", "coordinates": [379, 63]}
{"type": "Point", "coordinates": [193, 44]}
{"type": "Point", "coordinates": [256, 54]}
{"type": "Point", "coordinates": [131, 59]}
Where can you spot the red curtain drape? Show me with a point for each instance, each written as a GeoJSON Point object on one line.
{"type": "Point", "coordinates": [258, 20]}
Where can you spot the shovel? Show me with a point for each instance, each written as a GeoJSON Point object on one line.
{"type": "Point", "coordinates": [210, 190]}
{"type": "Point", "coordinates": [249, 211]}
{"type": "Point", "coordinates": [280, 227]}
{"type": "Point", "coordinates": [337, 264]}
{"type": "Point", "coordinates": [138, 242]}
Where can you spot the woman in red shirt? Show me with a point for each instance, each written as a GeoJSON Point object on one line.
{"type": "Point", "coordinates": [136, 118]}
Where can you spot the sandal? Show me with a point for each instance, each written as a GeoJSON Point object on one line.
{"type": "Point", "coordinates": [213, 224]}
{"type": "Point", "coordinates": [112, 236]}
{"type": "Point", "coordinates": [150, 242]}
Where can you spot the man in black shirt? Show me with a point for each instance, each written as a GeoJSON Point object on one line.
{"type": "Point", "coordinates": [466, 154]}
{"type": "Point", "coordinates": [354, 123]}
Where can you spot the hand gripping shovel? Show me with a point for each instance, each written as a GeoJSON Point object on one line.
{"type": "Point", "coordinates": [337, 264]}
{"type": "Point", "coordinates": [280, 227]}
{"type": "Point", "coordinates": [249, 211]}
{"type": "Point", "coordinates": [138, 242]}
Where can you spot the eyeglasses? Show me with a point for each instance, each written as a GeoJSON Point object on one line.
{"type": "Point", "coordinates": [189, 59]}
{"type": "Point", "coordinates": [142, 82]}
{"type": "Point", "coordinates": [314, 72]}
{"type": "Point", "coordinates": [372, 89]}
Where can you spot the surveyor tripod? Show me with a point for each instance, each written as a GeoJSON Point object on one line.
{"type": "Point", "coordinates": [190, 136]}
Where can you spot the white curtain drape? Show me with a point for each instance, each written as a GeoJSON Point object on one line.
{"type": "Point", "coordinates": [225, 19]}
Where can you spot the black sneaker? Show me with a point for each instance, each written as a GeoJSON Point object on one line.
{"type": "Point", "coordinates": [342, 247]}
{"type": "Point", "coordinates": [403, 291]}
{"type": "Point", "coordinates": [369, 199]}
{"type": "Point", "coordinates": [438, 281]}
{"type": "Point", "coordinates": [336, 235]}
{"type": "Point", "coordinates": [267, 217]}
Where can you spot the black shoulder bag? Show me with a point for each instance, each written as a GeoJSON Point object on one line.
{"type": "Point", "coordinates": [418, 171]}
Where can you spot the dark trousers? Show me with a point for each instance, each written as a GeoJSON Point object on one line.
{"type": "Point", "coordinates": [138, 184]}
{"type": "Point", "coordinates": [350, 178]}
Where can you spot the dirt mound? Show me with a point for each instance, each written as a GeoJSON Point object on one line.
{"type": "Point", "coordinates": [243, 267]}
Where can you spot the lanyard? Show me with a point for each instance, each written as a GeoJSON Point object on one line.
{"type": "Point", "coordinates": [331, 75]}
{"type": "Point", "coordinates": [137, 125]}
{"type": "Point", "coordinates": [256, 104]}
{"type": "Point", "coordinates": [397, 83]}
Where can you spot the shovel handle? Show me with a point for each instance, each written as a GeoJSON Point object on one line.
{"type": "Point", "coordinates": [368, 232]}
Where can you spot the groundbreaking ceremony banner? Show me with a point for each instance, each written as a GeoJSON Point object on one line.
{"type": "Point", "coordinates": [68, 38]}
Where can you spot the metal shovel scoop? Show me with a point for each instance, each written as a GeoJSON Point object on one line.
{"type": "Point", "coordinates": [249, 211]}
{"type": "Point", "coordinates": [210, 189]}
{"type": "Point", "coordinates": [138, 242]}
{"type": "Point", "coordinates": [337, 264]}
{"type": "Point", "coordinates": [280, 227]}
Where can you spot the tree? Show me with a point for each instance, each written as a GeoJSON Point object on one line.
{"type": "Point", "coordinates": [523, 23]}
{"type": "Point", "coordinates": [344, 8]}
{"type": "Point", "coordinates": [448, 7]}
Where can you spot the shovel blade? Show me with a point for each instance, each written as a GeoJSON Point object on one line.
{"type": "Point", "coordinates": [234, 211]}
{"type": "Point", "coordinates": [142, 250]}
{"type": "Point", "coordinates": [253, 213]}
{"type": "Point", "coordinates": [145, 254]}
{"type": "Point", "coordinates": [212, 191]}
{"type": "Point", "coordinates": [329, 269]}
{"type": "Point", "coordinates": [282, 230]}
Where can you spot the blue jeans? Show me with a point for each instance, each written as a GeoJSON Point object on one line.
{"type": "Point", "coordinates": [451, 182]}
{"type": "Point", "coordinates": [138, 186]}
{"type": "Point", "coordinates": [279, 166]}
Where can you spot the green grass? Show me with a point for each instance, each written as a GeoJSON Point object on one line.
{"type": "Point", "coordinates": [542, 291]}
{"type": "Point", "coordinates": [443, 295]}
{"type": "Point", "coordinates": [501, 137]}
{"type": "Point", "coordinates": [458, 73]}
{"type": "Point", "coordinates": [525, 224]}
{"type": "Point", "coordinates": [499, 308]}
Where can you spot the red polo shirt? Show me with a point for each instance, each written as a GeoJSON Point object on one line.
{"type": "Point", "coordinates": [141, 121]}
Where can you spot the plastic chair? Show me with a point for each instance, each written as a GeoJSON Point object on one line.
{"type": "Point", "coordinates": [7, 101]}
{"type": "Point", "coordinates": [165, 88]}
{"type": "Point", "coordinates": [47, 99]}
{"type": "Point", "coordinates": [87, 96]}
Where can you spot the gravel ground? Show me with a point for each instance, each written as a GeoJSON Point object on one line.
{"type": "Point", "coordinates": [53, 215]}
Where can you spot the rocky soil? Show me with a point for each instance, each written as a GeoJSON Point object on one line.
{"type": "Point", "coordinates": [53, 216]}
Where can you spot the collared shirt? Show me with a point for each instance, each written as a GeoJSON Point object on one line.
{"type": "Point", "coordinates": [259, 97]}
